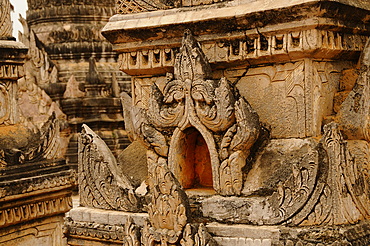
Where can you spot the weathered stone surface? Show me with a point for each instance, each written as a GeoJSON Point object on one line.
{"type": "Point", "coordinates": [353, 116]}
{"type": "Point", "coordinates": [293, 98]}
{"type": "Point", "coordinates": [132, 162]}
{"type": "Point", "coordinates": [43, 232]}
{"type": "Point", "coordinates": [276, 163]}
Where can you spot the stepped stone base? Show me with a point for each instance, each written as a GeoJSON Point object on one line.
{"type": "Point", "coordinates": [95, 227]}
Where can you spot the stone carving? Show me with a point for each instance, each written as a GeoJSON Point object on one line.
{"type": "Point", "coordinates": [345, 196]}
{"type": "Point", "coordinates": [6, 27]}
{"type": "Point", "coordinates": [85, 33]}
{"type": "Point", "coordinates": [295, 191]}
{"type": "Point", "coordinates": [8, 111]}
{"type": "Point", "coordinates": [50, 145]}
{"type": "Point", "coordinates": [115, 233]}
{"type": "Point", "coordinates": [246, 48]}
{"type": "Point", "coordinates": [291, 103]}
{"type": "Point", "coordinates": [72, 89]}
{"type": "Point", "coordinates": [192, 99]}
{"type": "Point", "coordinates": [101, 183]}
{"type": "Point", "coordinates": [199, 238]}
{"type": "Point", "coordinates": [324, 186]}
{"type": "Point", "coordinates": [132, 237]}
{"type": "Point", "coordinates": [34, 5]}
{"type": "Point", "coordinates": [168, 207]}
{"type": "Point", "coordinates": [25, 186]}
{"type": "Point", "coordinates": [11, 71]}
{"type": "Point", "coordinates": [34, 210]}
{"type": "Point", "coordinates": [136, 6]}
{"type": "Point", "coordinates": [353, 116]}
{"type": "Point", "coordinates": [95, 85]}
{"type": "Point", "coordinates": [40, 69]}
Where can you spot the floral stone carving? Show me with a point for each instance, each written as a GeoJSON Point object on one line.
{"type": "Point", "coordinates": [168, 208]}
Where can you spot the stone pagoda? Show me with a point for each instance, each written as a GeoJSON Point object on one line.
{"type": "Point", "coordinates": [35, 181]}
{"type": "Point", "coordinates": [254, 119]}
{"type": "Point", "coordinates": [76, 66]}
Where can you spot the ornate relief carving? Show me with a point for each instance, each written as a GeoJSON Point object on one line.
{"type": "Point", "coordinates": [11, 71]}
{"type": "Point", "coordinates": [197, 236]}
{"type": "Point", "coordinates": [132, 237]}
{"type": "Point", "coordinates": [101, 183]}
{"type": "Point", "coordinates": [40, 4]}
{"type": "Point", "coordinates": [345, 197]}
{"type": "Point", "coordinates": [294, 193]}
{"type": "Point", "coordinates": [149, 59]}
{"type": "Point", "coordinates": [113, 233]}
{"type": "Point", "coordinates": [136, 6]}
{"type": "Point", "coordinates": [81, 33]}
{"type": "Point", "coordinates": [8, 109]}
{"type": "Point", "coordinates": [72, 89]}
{"type": "Point", "coordinates": [251, 48]}
{"type": "Point", "coordinates": [34, 210]}
{"type": "Point", "coordinates": [168, 207]}
{"type": "Point", "coordinates": [192, 99]}
{"type": "Point", "coordinates": [6, 27]}
{"type": "Point", "coordinates": [40, 69]}
{"type": "Point", "coordinates": [24, 186]}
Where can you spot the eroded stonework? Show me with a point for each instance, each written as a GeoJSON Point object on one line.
{"type": "Point", "coordinates": [245, 110]}
{"type": "Point", "coordinates": [35, 181]}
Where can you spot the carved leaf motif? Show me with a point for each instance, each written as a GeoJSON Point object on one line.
{"type": "Point", "coordinates": [197, 235]}
{"type": "Point", "coordinates": [163, 114]}
{"type": "Point", "coordinates": [146, 237]}
{"type": "Point", "coordinates": [191, 99]}
{"type": "Point", "coordinates": [48, 147]}
{"type": "Point", "coordinates": [235, 147]}
{"type": "Point", "coordinates": [168, 207]}
{"type": "Point", "coordinates": [248, 126]}
{"type": "Point", "coordinates": [346, 196]}
{"type": "Point", "coordinates": [132, 234]}
{"type": "Point", "coordinates": [191, 63]}
{"type": "Point", "coordinates": [293, 194]}
{"type": "Point", "coordinates": [101, 183]}
{"type": "Point", "coordinates": [134, 117]}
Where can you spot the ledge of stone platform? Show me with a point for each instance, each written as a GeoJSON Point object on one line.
{"type": "Point", "coordinates": [101, 216]}
{"type": "Point", "coordinates": [10, 44]}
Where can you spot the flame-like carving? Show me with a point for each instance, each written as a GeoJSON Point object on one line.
{"type": "Point", "coordinates": [101, 183]}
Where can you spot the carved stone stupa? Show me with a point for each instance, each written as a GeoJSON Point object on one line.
{"type": "Point", "coordinates": [35, 182]}
{"type": "Point", "coordinates": [253, 116]}
{"type": "Point", "coordinates": [76, 66]}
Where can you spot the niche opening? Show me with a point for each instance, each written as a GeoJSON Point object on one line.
{"type": "Point", "coordinates": [194, 160]}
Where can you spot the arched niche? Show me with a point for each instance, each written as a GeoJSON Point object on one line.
{"type": "Point", "coordinates": [190, 159]}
